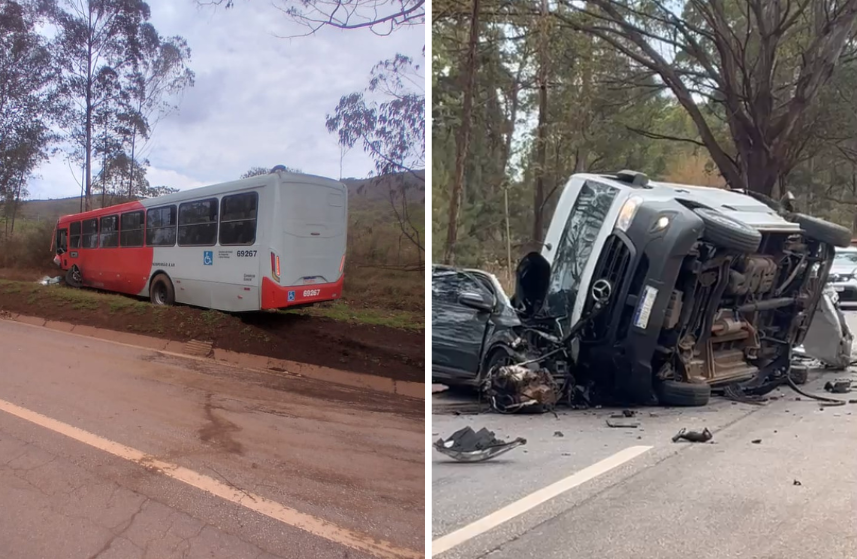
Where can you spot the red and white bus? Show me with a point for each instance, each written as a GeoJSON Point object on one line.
{"type": "Point", "coordinates": [268, 242]}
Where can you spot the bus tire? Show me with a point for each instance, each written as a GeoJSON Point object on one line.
{"type": "Point", "coordinates": [161, 291]}
{"type": "Point", "coordinates": [73, 277]}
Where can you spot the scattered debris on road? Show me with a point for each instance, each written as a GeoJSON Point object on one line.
{"type": "Point", "coordinates": [796, 482]}
{"type": "Point", "coordinates": [558, 434]}
{"type": "Point", "coordinates": [516, 388]}
{"type": "Point", "coordinates": [693, 436]}
{"type": "Point", "coordinates": [622, 423]}
{"type": "Point", "coordinates": [756, 441]}
{"type": "Point", "coordinates": [839, 386]}
{"type": "Point", "coordinates": [466, 445]}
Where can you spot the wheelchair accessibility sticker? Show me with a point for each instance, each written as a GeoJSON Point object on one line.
{"type": "Point", "coordinates": [291, 295]}
{"type": "Point", "coordinates": [208, 257]}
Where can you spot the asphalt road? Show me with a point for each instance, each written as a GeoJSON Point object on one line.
{"type": "Point", "coordinates": [582, 489]}
{"type": "Point", "coordinates": [108, 452]}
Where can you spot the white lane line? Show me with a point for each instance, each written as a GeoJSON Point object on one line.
{"type": "Point", "coordinates": [531, 501]}
{"type": "Point", "coordinates": [286, 515]}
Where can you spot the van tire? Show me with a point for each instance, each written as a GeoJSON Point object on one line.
{"type": "Point", "coordinates": [683, 394]}
{"type": "Point", "coordinates": [73, 277]}
{"type": "Point", "coordinates": [161, 291]}
{"type": "Point", "coordinates": [824, 231]}
{"type": "Point", "coordinates": [725, 232]}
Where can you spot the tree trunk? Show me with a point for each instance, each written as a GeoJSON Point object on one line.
{"type": "Point", "coordinates": [133, 168]}
{"type": "Point", "coordinates": [541, 133]}
{"type": "Point", "coordinates": [15, 201]}
{"type": "Point", "coordinates": [463, 139]}
{"type": "Point", "coordinates": [88, 130]}
{"type": "Point", "coordinates": [761, 171]}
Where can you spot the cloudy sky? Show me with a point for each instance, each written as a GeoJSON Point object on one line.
{"type": "Point", "coordinates": [259, 100]}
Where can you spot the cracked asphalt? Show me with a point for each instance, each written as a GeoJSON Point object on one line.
{"type": "Point", "coordinates": [352, 458]}
{"type": "Point", "coordinates": [789, 495]}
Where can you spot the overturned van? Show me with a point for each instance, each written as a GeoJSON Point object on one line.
{"type": "Point", "coordinates": [695, 287]}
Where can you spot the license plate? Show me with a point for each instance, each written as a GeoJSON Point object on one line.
{"type": "Point", "coordinates": [838, 288]}
{"type": "Point", "coordinates": [644, 309]}
{"type": "Point", "coordinates": [309, 281]}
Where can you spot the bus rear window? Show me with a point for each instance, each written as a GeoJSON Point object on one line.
{"type": "Point", "coordinates": [131, 234]}
{"type": "Point", "coordinates": [109, 232]}
{"type": "Point", "coordinates": [198, 223]}
{"type": "Point", "coordinates": [90, 234]}
{"type": "Point", "coordinates": [238, 219]}
{"type": "Point", "coordinates": [74, 234]}
{"type": "Point", "coordinates": [161, 227]}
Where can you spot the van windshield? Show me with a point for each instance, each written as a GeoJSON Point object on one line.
{"type": "Point", "coordinates": [585, 220]}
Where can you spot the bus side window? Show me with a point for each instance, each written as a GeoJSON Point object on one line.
{"type": "Point", "coordinates": [74, 234]}
{"type": "Point", "coordinates": [198, 223]}
{"type": "Point", "coordinates": [161, 227]}
{"type": "Point", "coordinates": [238, 219]}
{"type": "Point", "coordinates": [109, 233]}
{"type": "Point", "coordinates": [131, 230]}
{"type": "Point", "coordinates": [90, 233]}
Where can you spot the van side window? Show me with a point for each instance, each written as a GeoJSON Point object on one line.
{"type": "Point", "coordinates": [238, 219]}
{"type": "Point", "coordinates": [74, 234]}
{"type": "Point", "coordinates": [131, 232]}
{"type": "Point", "coordinates": [90, 234]}
{"type": "Point", "coordinates": [109, 231]}
{"type": "Point", "coordinates": [161, 227]}
{"type": "Point", "coordinates": [198, 223]}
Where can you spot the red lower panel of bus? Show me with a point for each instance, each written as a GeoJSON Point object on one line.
{"type": "Point", "coordinates": [278, 297]}
{"type": "Point", "coordinates": [125, 270]}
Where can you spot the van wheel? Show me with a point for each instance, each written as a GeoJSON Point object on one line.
{"type": "Point", "coordinates": [161, 291]}
{"type": "Point", "coordinates": [73, 278]}
{"type": "Point", "coordinates": [824, 231]}
{"type": "Point", "coordinates": [684, 394]}
{"type": "Point", "coordinates": [725, 232]}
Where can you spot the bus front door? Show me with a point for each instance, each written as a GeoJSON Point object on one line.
{"type": "Point", "coordinates": [61, 258]}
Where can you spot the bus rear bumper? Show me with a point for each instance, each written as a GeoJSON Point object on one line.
{"type": "Point", "coordinates": [281, 297]}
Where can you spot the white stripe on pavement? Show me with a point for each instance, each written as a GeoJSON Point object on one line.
{"type": "Point", "coordinates": [313, 525]}
{"type": "Point", "coordinates": [531, 501]}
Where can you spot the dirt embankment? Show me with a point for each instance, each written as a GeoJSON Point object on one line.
{"type": "Point", "coordinates": [362, 348]}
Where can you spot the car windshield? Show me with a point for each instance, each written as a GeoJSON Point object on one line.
{"type": "Point", "coordinates": [845, 258]}
{"type": "Point", "coordinates": [585, 221]}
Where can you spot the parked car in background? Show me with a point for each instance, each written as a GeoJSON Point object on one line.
{"type": "Point", "coordinates": [470, 312]}
{"type": "Point", "coordinates": [843, 274]}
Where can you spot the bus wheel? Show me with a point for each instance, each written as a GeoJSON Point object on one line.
{"type": "Point", "coordinates": [161, 291]}
{"type": "Point", "coordinates": [73, 277]}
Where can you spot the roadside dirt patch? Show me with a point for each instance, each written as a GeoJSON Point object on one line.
{"type": "Point", "coordinates": [361, 348]}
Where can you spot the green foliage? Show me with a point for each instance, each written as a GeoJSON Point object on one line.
{"type": "Point", "coordinates": [606, 112]}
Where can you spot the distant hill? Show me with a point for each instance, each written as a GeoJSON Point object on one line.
{"type": "Point", "coordinates": [361, 192]}
{"type": "Point", "coordinates": [377, 189]}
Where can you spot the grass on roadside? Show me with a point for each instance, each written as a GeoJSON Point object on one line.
{"type": "Point", "coordinates": [39, 296]}
{"type": "Point", "coordinates": [343, 312]}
